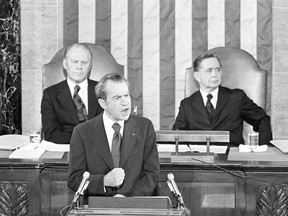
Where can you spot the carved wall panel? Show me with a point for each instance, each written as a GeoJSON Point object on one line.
{"type": "Point", "coordinates": [14, 199]}
{"type": "Point", "coordinates": [272, 201]}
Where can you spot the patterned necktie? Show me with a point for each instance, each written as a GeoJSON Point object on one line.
{"type": "Point", "coordinates": [81, 110]}
{"type": "Point", "coordinates": [116, 142]}
{"type": "Point", "coordinates": [209, 106]}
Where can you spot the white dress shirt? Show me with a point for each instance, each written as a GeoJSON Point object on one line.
{"type": "Point", "coordinates": [83, 92]}
{"type": "Point", "coordinates": [108, 123]}
{"type": "Point", "coordinates": [214, 99]}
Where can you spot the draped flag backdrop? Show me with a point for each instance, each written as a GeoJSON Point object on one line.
{"type": "Point", "coordinates": [157, 39]}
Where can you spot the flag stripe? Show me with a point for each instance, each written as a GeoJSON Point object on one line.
{"type": "Point", "coordinates": [199, 27]}
{"type": "Point", "coordinates": [86, 29]}
{"type": "Point", "coordinates": [151, 61]}
{"type": "Point", "coordinates": [183, 46]}
{"type": "Point", "coordinates": [103, 23]}
{"type": "Point", "coordinates": [70, 27]}
{"type": "Point", "coordinates": [135, 52]}
{"type": "Point", "coordinates": [119, 31]}
{"type": "Point", "coordinates": [264, 34]}
{"type": "Point", "coordinates": [249, 26]}
{"type": "Point", "coordinates": [232, 23]}
{"type": "Point", "coordinates": [216, 23]}
{"type": "Point", "coordinates": [167, 63]}
{"type": "Point", "coordinates": [264, 42]}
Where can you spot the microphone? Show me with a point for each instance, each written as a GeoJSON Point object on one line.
{"type": "Point", "coordinates": [171, 188]}
{"type": "Point", "coordinates": [174, 189]}
{"type": "Point", "coordinates": [83, 185]}
{"type": "Point", "coordinates": [135, 110]}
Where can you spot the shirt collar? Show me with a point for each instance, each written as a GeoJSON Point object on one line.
{"type": "Point", "coordinates": [214, 93]}
{"type": "Point", "coordinates": [214, 99]}
{"type": "Point", "coordinates": [83, 85]}
{"type": "Point", "coordinates": [108, 123]}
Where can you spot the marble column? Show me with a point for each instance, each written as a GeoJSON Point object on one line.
{"type": "Point", "coordinates": [10, 73]}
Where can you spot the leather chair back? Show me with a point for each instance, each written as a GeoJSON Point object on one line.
{"type": "Point", "coordinates": [102, 63]}
{"type": "Point", "coordinates": [240, 70]}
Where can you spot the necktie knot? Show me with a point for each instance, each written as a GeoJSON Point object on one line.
{"type": "Point", "coordinates": [76, 88]}
{"type": "Point", "coordinates": [116, 127]}
{"type": "Point", "coordinates": [209, 97]}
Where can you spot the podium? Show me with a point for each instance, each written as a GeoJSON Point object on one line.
{"type": "Point", "coordinates": [148, 205]}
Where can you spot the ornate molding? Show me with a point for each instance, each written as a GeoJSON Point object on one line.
{"type": "Point", "coordinates": [272, 201]}
{"type": "Point", "coordinates": [14, 199]}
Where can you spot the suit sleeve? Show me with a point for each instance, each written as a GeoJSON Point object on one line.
{"type": "Point", "coordinates": [146, 184]}
{"type": "Point", "coordinates": [50, 125]}
{"type": "Point", "coordinates": [78, 165]}
{"type": "Point", "coordinates": [76, 161]}
{"type": "Point", "coordinates": [181, 122]}
{"type": "Point", "coordinates": [257, 117]}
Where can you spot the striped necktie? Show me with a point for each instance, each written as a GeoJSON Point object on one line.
{"type": "Point", "coordinates": [81, 110]}
{"type": "Point", "coordinates": [209, 106]}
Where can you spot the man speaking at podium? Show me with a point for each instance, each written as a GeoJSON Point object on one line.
{"type": "Point", "coordinates": [117, 149]}
{"type": "Point", "coordinates": [214, 107]}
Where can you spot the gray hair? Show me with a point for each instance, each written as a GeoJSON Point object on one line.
{"type": "Point", "coordinates": [83, 45]}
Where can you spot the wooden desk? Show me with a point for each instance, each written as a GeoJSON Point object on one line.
{"type": "Point", "coordinates": [20, 187]}
{"type": "Point", "coordinates": [206, 189]}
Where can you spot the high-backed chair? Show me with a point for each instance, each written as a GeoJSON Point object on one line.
{"type": "Point", "coordinates": [102, 63]}
{"type": "Point", "coordinates": [240, 70]}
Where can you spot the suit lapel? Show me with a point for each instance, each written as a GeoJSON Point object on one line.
{"type": "Point", "coordinates": [92, 100]}
{"type": "Point", "coordinates": [98, 135]}
{"type": "Point", "coordinates": [129, 139]}
{"type": "Point", "coordinates": [198, 103]}
{"type": "Point", "coordinates": [64, 96]}
{"type": "Point", "coordinates": [223, 98]}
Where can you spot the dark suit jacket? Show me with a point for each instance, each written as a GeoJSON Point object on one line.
{"type": "Point", "coordinates": [89, 151]}
{"type": "Point", "coordinates": [59, 113]}
{"type": "Point", "coordinates": [233, 107]}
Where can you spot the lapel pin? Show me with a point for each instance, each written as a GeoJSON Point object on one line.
{"type": "Point", "coordinates": [133, 134]}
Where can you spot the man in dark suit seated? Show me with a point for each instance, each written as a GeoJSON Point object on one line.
{"type": "Point", "coordinates": [72, 101]}
{"type": "Point", "coordinates": [214, 107]}
{"type": "Point", "coordinates": [130, 170]}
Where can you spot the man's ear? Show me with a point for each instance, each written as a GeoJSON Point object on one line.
{"type": "Point", "coordinates": [102, 103]}
{"type": "Point", "coordinates": [196, 75]}
{"type": "Point", "coordinates": [64, 63]}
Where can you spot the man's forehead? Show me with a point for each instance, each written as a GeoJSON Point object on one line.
{"type": "Point", "coordinates": [116, 88]}
{"type": "Point", "coordinates": [79, 53]}
{"type": "Point", "coordinates": [210, 63]}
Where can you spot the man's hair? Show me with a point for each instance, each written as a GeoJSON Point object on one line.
{"type": "Point", "coordinates": [101, 85]}
{"type": "Point", "coordinates": [201, 58]}
{"type": "Point", "coordinates": [83, 45]}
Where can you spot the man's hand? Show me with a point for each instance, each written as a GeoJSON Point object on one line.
{"type": "Point", "coordinates": [114, 178]}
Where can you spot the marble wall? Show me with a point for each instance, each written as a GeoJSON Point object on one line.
{"type": "Point", "coordinates": [10, 74]}
{"type": "Point", "coordinates": [280, 70]}
{"type": "Point", "coordinates": [42, 36]}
